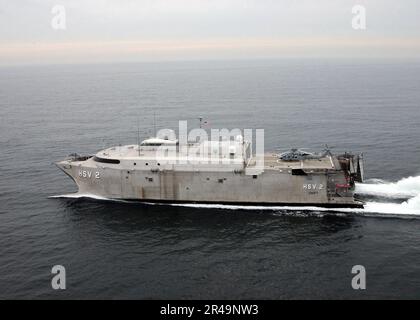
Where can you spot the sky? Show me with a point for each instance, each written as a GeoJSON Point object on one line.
{"type": "Point", "coordinates": [155, 30]}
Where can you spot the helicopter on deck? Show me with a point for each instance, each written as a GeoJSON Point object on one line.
{"type": "Point", "coordinates": [295, 154]}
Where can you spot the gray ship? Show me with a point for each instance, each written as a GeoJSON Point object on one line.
{"type": "Point", "coordinates": [159, 170]}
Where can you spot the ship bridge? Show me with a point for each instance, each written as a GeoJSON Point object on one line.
{"type": "Point", "coordinates": [170, 154]}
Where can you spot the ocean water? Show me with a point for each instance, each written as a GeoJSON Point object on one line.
{"type": "Point", "coordinates": [129, 250]}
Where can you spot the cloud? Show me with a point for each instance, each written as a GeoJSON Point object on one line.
{"type": "Point", "coordinates": [176, 29]}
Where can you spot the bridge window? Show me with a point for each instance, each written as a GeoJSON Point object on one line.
{"type": "Point", "coordinates": [106, 160]}
{"type": "Point", "coordinates": [151, 144]}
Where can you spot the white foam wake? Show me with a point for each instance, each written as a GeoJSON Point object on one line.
{"type": "Point", "coordinates": [78, 195]}
{"type": "Point", "coordinates": [409, 207]}
{"type": "Point", "coordinates": [406, 187]}
{"type": "Point", "coordinates": [252, 208]}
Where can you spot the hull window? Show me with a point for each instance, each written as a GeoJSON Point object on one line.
{"type": "Point", "coordinates": [298, 172]}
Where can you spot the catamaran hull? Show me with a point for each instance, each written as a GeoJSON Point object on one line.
{"type": "Point", "coordinates": [269, 188]}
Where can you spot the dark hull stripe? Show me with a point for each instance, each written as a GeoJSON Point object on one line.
{"type": "Point", "coordinates": [265, 204]}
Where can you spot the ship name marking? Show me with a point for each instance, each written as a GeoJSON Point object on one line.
{"type": "Point", "coordinates": [313, 186]}
{"type": "Point", "coordinates": [88, 174]}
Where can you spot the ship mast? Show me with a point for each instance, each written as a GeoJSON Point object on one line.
{"type": "Point", "coordinates": [138, 136]}
{"type": "Point", "coordinates": [154, 124]}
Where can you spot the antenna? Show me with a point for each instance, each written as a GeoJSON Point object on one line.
{"type": "Point", "coordinates": [138, 136]}
{"type": "Point", "coordinates": [154, 123]}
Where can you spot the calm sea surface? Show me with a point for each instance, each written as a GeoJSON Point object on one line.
{"type": "Point", "coordinates": [120, 250]}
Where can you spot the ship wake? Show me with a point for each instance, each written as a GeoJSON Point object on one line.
{"type": "Point", "coordinates": [404, 188]}
{"type": "Point", "coordinates": [78, 195]}
{"type": "Point", "coordinates": [396, 198]}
